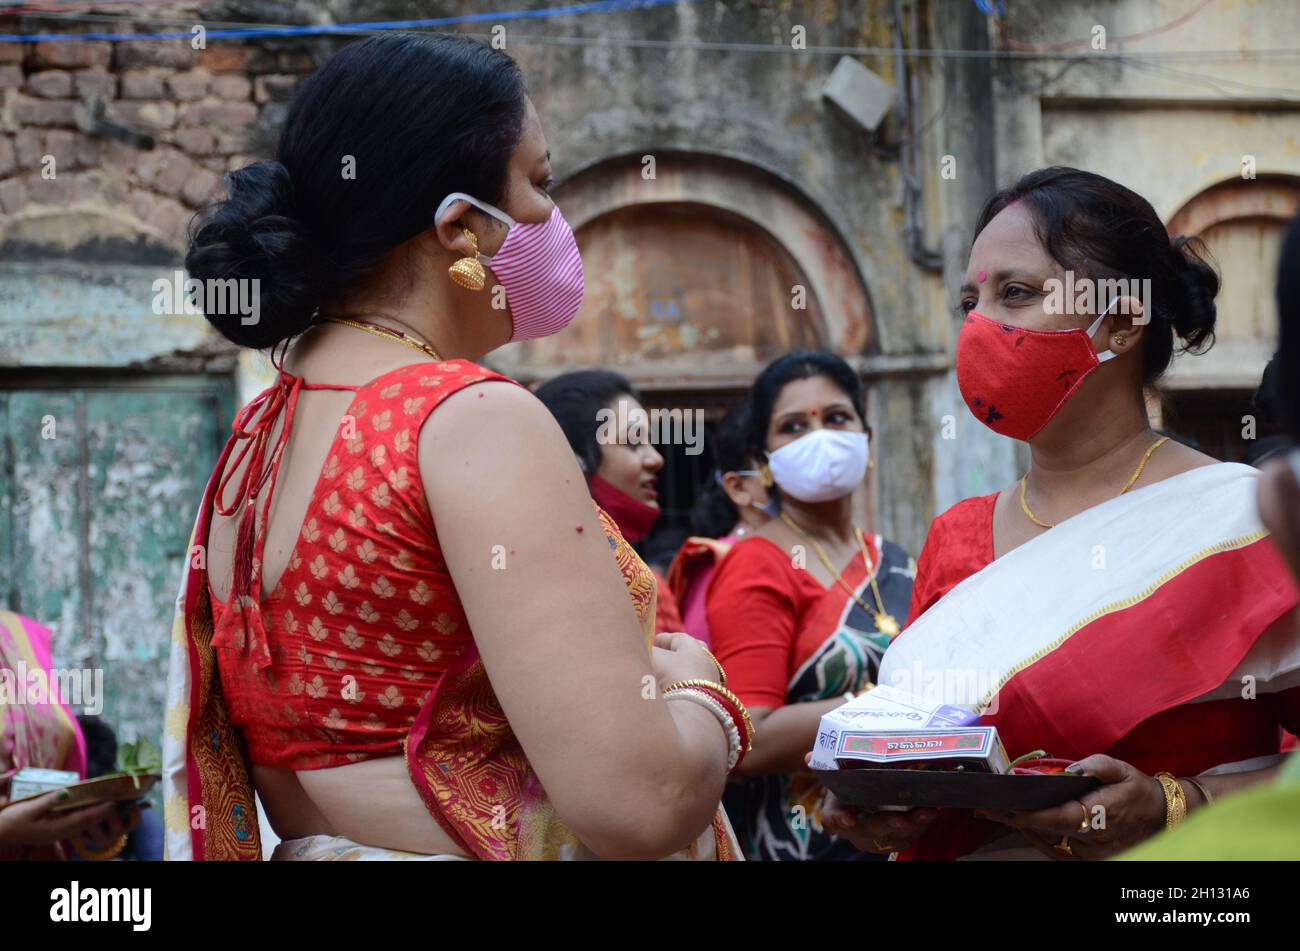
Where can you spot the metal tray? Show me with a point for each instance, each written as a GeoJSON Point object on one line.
{"type": "Point", "coordinates": [877, 788]}
{"type": "Point", "coordinates": [113, 788]}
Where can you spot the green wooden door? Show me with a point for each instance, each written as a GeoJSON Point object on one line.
{"type": "Point", "coordinates": [100, 479]}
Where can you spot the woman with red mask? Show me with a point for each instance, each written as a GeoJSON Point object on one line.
{"type": "Point", "coordinates": [1120, 604]}
{"type": "Point", "coordinates": [605, 423]}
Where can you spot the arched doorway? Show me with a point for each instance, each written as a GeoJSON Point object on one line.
{"type": "Point", "coordinates": [1206, 397]}
{"type": "Point", "coordinates": [688, 285]}
{"type": "Point", "coordinates": [699, 271]}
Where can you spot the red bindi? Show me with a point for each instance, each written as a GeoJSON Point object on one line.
{"type": "Point", "coordinates": [579, 529]}
{"type": "Point", "coordinates": [982, 277]}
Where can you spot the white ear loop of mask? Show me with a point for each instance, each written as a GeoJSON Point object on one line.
{"type": "Point", "coordinates": [482, 206]}
{"type": "Point", "coordinates": [1103, 357]}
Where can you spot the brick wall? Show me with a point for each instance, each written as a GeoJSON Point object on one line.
{"type": "Point", "coordinates": [97, 107]}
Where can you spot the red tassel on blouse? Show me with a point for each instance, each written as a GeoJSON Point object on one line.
{"type": "Point", "coordinates": [242, 580]}
{"type": "Point", "coordinates": [254, 478]}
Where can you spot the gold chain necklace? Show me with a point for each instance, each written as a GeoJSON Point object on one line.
{"type": "Point", "coordinates": [1136, 473]}
{"type": "Point", "coordinates": [886, 623]}
{"type": "Point", "coordinates": [388, 332]}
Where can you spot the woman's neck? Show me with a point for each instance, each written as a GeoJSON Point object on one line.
{"type": "Point", "coordinates": [825, 521]}
{"type": "Point", "coordinates": [1081, 461]}
{"type": "Point", "coordinates": [432, 310]}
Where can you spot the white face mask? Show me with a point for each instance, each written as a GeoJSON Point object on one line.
{"type": "Point", "coordinates": [823, 465]}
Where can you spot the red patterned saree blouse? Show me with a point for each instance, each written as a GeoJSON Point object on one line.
{"type": "Point", "coordinates": [363, 648]}
{"type": "Point", "coordinates": [334, 664]}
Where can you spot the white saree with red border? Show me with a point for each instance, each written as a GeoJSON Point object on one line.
{"type": "Point", "coordinates": [1167, 608]}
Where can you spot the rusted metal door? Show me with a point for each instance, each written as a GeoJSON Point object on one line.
{"type": "Point", "coordinates": [99, 480]}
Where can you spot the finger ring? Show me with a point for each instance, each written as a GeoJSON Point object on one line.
{"type": "Point", "coordinates": [1084, 825]}
{"type": "Point", "coordinates": [1064, 846]}
{"type": "Point", "coordinates": [882, 848]}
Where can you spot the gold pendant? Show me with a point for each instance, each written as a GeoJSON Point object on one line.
{"type": "Point", "coordinates": [887, 624]}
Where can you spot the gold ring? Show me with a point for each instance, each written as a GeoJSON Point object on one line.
{"type": "Point", "coordinates": [1084, 825]}
{"type": "Point", "coordinates": [722, 674]}
{"type": "Point", "coordinates": [882, 848]}
{"type": "Point", "coordinates": [1064, 846]}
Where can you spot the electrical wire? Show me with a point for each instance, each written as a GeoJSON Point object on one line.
{"type": "Point", "coordinates": [1219, 83]}
{"type": "Point", "coordinates": [228, 29]}
{"type": "Point", "coordinates": [251, 30]}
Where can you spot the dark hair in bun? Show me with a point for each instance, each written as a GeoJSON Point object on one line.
{"type": "Point", "coordinates": [414, 116]}
{"type": "Point", "coordinates": [1101, 230]}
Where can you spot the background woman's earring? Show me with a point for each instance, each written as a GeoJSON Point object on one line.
{"type": "Point", "coordinates": [468, 271]}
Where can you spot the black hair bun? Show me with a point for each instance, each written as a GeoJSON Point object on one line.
{"type": "Point", "coordinates": [1197, 285]}
{"type": "Point", "coordinates": [254, 235]}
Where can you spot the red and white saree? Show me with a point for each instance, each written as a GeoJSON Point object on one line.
{"type": "Point", "coordinates": [1156, 627]}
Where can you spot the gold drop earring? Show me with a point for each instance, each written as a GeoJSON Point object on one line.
{"type": "Point", "coordinates": [468, 271]}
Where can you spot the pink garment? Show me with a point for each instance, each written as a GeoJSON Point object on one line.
{"type": "Point", "coordinates": [33, 733]}
{"type": "Point", "coordinates": [694, 568]}
{"type": "Point", "coordinates": [45, 735]}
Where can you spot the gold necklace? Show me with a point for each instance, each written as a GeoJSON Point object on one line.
{"type": "Point", "coordinates": [1136, 473]}
{"type": "Point", "coordinates": [886, 623]}
{"type": "Point", "coordinates": [380, 331]}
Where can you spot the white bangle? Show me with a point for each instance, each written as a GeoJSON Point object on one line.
{"type": "Point", "coordinates": [719, 711]}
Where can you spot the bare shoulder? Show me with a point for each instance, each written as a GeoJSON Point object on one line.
{"type": "Point", "coordinates": [496, 437]}
{"type": "Point", "coordinates": [491, 410]}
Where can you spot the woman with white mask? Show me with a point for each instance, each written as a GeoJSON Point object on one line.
{"type": "Point", "coordinates": [801, 611]}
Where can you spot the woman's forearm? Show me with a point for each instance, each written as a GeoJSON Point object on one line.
{"type": "Point", "coordinates": [1223, 784]}
{"type": "Point", "coordinates": [704, 742]}
{"type": "Point", "coordinates": [782, 737]}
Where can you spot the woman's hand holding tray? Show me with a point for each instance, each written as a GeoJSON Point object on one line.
{"type": "Point", "coordinates": [888, 749]}
{"type": "Point", "coordinates": [115, 788]}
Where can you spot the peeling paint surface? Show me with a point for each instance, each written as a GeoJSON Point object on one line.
{"type": "Point", "coordinates": [61, 314]}
{"type": "Point", "coordinates": [95, 538]}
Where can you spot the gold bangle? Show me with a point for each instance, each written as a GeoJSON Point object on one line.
{"type": "Point", "coordinates": [722, 674]}
{"type": "Point", "coordinates": [731, 698]}
{"type": "Point", "coordinates": [112, 852]}
{"type": "Point", "coordinates": [1205, 793]}
{"type": "Point", "coordinates": [1175, 800]}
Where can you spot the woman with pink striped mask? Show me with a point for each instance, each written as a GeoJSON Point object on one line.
{"type": "Point", "coordinates": [412, 626]}
{"type": "Point", "coordinates": [538, 265]}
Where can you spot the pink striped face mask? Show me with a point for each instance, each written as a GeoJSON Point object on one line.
{"type": "Point", "coordinates": [540, 268]}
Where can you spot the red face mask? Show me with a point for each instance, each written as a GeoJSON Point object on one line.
{"type": "Point", "coordinates": [1015, 380]}
{"type": "Point", "coordinates": [633, 517]}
